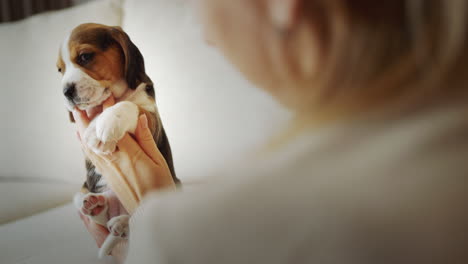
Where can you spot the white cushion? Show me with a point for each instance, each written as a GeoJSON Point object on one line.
{"type": "Point", "coordinates": [56, 236]}
{"type": "Point", "coordinates": [36, 137]}
{"type": "Point", "coordinates": [19, 199]}
{"type": "Point", "coordinates": [211, 114]}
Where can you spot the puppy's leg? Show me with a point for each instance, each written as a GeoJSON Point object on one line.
{"type": "Point", "coordinates": [118, 228]}
{"type": "Point", "coordinates": [109, 127]}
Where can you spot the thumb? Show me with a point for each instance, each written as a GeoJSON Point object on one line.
{"type": "Point", "coordinates": [81, 119]}
{"type": "Point", "coordinates": [108, 102]}
{"type": "Point", "coordinates": [145, 139]}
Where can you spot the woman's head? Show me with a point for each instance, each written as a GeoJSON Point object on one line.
{"type": "Point", "coordinates": [345, 55]}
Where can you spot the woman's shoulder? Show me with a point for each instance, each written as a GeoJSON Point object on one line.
{"type": "Point", "coordinates": [419, 156]}
{"type": "Point", "coordinates": [370, 183]}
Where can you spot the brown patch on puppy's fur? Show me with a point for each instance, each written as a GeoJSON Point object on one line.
{"type": "Point", "coordinates": [60, 63]}
{"type": "Point", "coordinates": [107, 56]}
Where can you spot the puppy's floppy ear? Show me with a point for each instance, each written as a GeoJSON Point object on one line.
{"type": "Point", "coordinates": [163, 145]}
{"type": "Point", "coordinates": [134, 69]}
{"type": "Point", "coordinates": [70, 115]}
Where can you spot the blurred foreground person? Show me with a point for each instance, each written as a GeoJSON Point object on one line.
{"type": "Point", "coordinates": [373, 168]}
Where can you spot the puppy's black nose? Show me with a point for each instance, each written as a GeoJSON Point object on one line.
{"type": "Point", "coordinates": [69, 91]}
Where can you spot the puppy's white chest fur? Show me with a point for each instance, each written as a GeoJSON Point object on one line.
{"type": "Point", "coordinates": [110, 126]}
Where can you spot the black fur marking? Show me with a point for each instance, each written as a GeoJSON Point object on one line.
{"type": "Point", "coordinates": [134, 62]}
{"type": "Point", "coordinates": [150, 91]}
{"type": "Point", "coordinates": [135, 65]}
{"type": "Point", "coordinates": [165, 148]}
{"type": "Point", "coordinates": [99, 37]}
{"type": "Point", "coordinates": [105, 40]}
{"type": "Point", "coordinates": [92, 178]}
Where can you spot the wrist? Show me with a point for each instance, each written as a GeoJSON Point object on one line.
{"type": "Point", "coordinates": [120, 251]}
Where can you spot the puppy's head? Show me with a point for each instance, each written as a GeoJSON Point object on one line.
{"type": "Point", "coordinates": [97, 61]}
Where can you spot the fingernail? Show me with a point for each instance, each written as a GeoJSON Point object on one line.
{"type": "Point", "coordinates": [144, 121]}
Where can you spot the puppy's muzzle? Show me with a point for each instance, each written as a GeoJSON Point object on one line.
{"type": "Point", "coordinates": [70, 91]}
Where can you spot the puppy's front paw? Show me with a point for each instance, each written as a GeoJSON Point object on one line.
{"type": "Point", "coordinates": [103, 134]}
{"type": "Point", "coordinates": [118, 226]}
{"type": "Point", "coordinates": [97, 144]}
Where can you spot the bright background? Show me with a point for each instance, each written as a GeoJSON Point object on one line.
{"type": "Point", "coordinates": [211, 114]}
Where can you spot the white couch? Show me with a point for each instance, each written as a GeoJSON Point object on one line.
{"type": "Point", "coordinates": [211, 114]}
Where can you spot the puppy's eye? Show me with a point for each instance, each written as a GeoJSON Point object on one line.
{"type": "Point", "coordinates": [59, 69]}
{"type": "Point", "coordinates": [85, 58]}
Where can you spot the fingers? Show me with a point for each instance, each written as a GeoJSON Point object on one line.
{"type": "Point", "coordinates": [145, 139]}
{"type": "Point", "coordinates": [81, 120]}
{"type": "Point", "coordinates": [98, 232]}
{"type": "Point", "coordinates": [143, 136]}
{"type": "Point", "coordinates": [108, 102]}
{"type": "Point", "coordinates": [129, 145]}
{"type": "Point", "coordinates": [83, 217]}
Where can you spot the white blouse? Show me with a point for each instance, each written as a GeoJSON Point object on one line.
{"type": "Point", "coordinates": [370, 191]}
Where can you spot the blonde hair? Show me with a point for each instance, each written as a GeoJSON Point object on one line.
{"type": "Point", "coordinates": [380, 53]}
{"type": "Point", "coordinates": [375, 56]}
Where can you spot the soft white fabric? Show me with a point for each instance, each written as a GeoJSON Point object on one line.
{"type": "Point", "coordinates": [56, 236]}
{"type": "Point", "coordinates": [24, 198]}
{"type": "Point", "coordinates": [36, 137]}
{"type": "Point", "coordinates": [372, 191]}
{"type": "Point", "coordinates": [52, 237]}
{"type": "Point", "coordinates": [211, 114]}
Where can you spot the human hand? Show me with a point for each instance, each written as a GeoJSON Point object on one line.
{"type": "Point", "coordinates": [100, 233]}
{"type": "Point", "coordinates": [136, 168]}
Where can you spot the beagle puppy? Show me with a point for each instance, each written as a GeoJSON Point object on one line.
{"type": "Point", "coordinates": [97, 61]}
